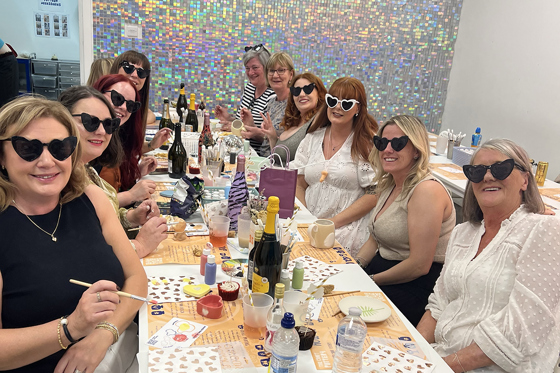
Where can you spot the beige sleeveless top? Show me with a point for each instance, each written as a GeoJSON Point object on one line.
{"type": "Point", "coordinates": [390, 230]}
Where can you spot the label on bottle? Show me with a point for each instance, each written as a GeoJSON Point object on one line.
{"type": "Point", "coordinates": [283, 364]}
{"type": "Point", "coordinates": [349, 344]}
{"type": "Point", "coordinates": [250, 268]}
{"type": "Point", "coordinates": [170, 166]}
{"type": "Point", "coordinates": [260, 284]}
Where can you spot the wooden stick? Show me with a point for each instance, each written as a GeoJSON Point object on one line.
{"type": "Point", "coordinates": [121, 293]}
{"type": "Point", "coordinates": [336, 314]}
{"type": "Point", "coordinates": [341, 293]}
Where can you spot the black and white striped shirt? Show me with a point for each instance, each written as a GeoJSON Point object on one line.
{"type": "Point", "coordinates": [256, 106]}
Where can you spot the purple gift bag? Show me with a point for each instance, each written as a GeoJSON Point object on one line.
{"type": "Point", "coordinates": [280, 182]}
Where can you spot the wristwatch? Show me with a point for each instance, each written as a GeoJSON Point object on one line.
{"type": "Point", "coordinates": [359, 262]}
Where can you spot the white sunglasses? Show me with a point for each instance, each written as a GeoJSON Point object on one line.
{"type": "Point", "coordinates": [344, 104]}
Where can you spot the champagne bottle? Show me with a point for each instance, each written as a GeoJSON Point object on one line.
{"type": "Point", "coordinates": [191, 115]}
{"type": "Point", "coordinates": [165, 121]}
{"type": "Point", "coordinates": [206, 138]}
{"type": "Point", "coordinates": [202, 105]}
{"type": "Point", "coordinates": [268, 256]}
{"type": "Point", "coordinates": [200, 112]}
{"type": "Point", "coordinates": [177, 156]}
{"type": "Point", "coordinates": [182, 105]}
{"type": "Point", "coordinates": [238, 194]}
{"type": "Point", "coordinates": [251, 260]}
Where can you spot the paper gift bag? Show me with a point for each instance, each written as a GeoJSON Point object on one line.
{"type": "Point", "coordinates": [281, 182]}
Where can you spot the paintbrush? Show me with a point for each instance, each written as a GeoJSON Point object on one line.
{"type": "Point", "coordinates": [121, 293]}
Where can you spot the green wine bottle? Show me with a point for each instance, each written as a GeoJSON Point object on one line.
{"type": "Point", "coordinates": [191, 116]}
{"type": "Point", "coordinates": [177, 156]}
{"type": "Point", "coordinates": [165, 121]}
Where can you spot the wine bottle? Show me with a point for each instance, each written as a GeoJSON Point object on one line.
{"type": "Point", "coordinates": [182, 105]}
{"type": "Point", "coordinates": [202, 105]}
{"type": "Point", "coordinates": [268, 256]}
{"type": "Point", "coordinates": [165, 121]}
{"type": "Point", "coordinates": [206, 138]}
{"type": "Point", "coordinates": [238, 194]}
{"type": "Point", "coordinates": [251, 259]}
{"type": "Point", "coordinates": [191, 115]}
{"type": "Point", "coordinates": [200, 112]}
{"type": "Point", "coordinates": [177, 156]}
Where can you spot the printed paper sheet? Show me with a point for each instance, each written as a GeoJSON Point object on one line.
{"type": "Point", "coordinates": [456, 172]}
{"type": "Point", "coordinates": [181, 252]}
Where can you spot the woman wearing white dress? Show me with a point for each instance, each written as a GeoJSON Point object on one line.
{"type": "Point", "coordinates": [496, 304]}
{"type": "Point", "coordinates": [334, 175]}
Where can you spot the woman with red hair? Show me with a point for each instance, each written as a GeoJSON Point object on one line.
{"type": "Point", "coordinates": [122, 93]}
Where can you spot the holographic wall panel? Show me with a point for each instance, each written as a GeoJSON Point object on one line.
{"type": "Point", "coordinates": [401, 50]}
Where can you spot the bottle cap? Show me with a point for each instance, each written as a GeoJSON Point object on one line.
{"type": "Point", "coordinates": [273, 204]}
{"type": "Point", "coordinates": [299, 264]}
{"type": "Point", "coordinates": [240, 163]}
{"type": "Point", "coordinates": [288, 321]}
{"type": "Point", "coordinates": [206, 252]}
{"type": "Point", "coordinates": [477, 130]}
{"type": "Point", "coordinates": [279, 290]}
{"type": "Point", "coordinates": [165, 100]}
{"type": "Point", "coordinates": [212, 259]}
{"type": "Point", "coordinates": [192, 96]}
{"type": "Point", "coordinates": [354, 311]}
{"type": "Point", "coordinates": [285, 274]}
{"type": "Point", "coordinates": [258, 235]}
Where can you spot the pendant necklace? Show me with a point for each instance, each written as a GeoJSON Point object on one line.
{"type": "Point", "coordinates": [324, 173]}
{"type": "Point", "coordinates": [35, 224]}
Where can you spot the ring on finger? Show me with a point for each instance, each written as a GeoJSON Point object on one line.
{"type": "Point", "coordinates": [78, 371]}
{"type": "Point", "coordinates": [99, 297]}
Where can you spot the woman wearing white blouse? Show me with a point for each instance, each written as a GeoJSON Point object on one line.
{"type": "Point", "coordinates": [496, 304]}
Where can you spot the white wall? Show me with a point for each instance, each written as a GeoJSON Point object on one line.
{"type": "Point", "coordinates": [17, 27]}
{"type": "Point", "coordinates": [506, 75]}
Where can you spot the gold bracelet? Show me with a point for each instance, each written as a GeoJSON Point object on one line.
{"type": "Point", "coordinates": [459, 361]}
{"type": "Point", "coordinates": [58, 332]}
{"type": "Point", "coordinates": [110, 327]}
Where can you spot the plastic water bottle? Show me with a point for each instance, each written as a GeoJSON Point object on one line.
{"type": "Point", "coordinates": [350, 337]}
{"type": "Point", "coordinates": [285, 347]}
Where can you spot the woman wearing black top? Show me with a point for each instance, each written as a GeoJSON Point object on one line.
{"type": "Point", "coordinates": [55, 227]}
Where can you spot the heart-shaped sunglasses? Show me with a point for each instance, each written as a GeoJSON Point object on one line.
{"type": "Point", "coordinates": [345, 104]}
{"type": "Point", "coordinates": [117, 99]}
{"type": "Point", "coordinates": [30, 150]}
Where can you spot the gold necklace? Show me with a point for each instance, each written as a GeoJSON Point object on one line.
{"type": "Point", "coordinates": [35, 224]}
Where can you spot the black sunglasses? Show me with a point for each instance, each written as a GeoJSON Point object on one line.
{"type": "Point", "coordinates": [129, 69]}
{"type": "Point", "coordinates": [307, 89]}
{"type": "Point", "coordinates": [397, 143]}
{"type": "Point", "coordinates": [30, 150]}
{"type": "Point", "coordinates": [500, 170]}
{"type": "Point", "coordinates": [117, 99]}
{"type": "Point", "coordinates": [256, 48]}
{"type": "Point", "coordinates": [91, 123]}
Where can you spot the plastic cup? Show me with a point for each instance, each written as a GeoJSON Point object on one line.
{"type": "Point", "coordinates": [219, 227]}
{"type": "Point", "coordinates": [294, 302]}
{"type": "Point", "coordinates": [441, 145]}
{"type": "Point", "coordinates": [254, 316]}
{"type": "Point", "coordinates": [243, 227]}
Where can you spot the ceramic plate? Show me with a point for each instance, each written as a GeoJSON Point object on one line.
{"type": "Point", "coordinates": [373, 310]}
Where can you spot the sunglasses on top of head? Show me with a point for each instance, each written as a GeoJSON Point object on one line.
{"type": "Point", "coordinates": [117, 99]}
{"type": "Point", "coordinates": [256, 48]}
{"type": "Point", "coordinates": [500, 170]}
{"type": "Point", "coordinates": [397, 143]}
{"type": "Point", "coordinates": [307, 89]}
{"type": "Point", "coordinates": [91, 123]}
{"type": "Point", "coordinates": [30, 150]}
{"type": "Point", "coordinates": [345, 104]}
{"type": "Point", "coordinates": [129, 69]}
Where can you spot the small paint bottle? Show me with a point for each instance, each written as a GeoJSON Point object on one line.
{"type": "Point", "coordinates": [297, 277]}
{"type": "Point", "coordinates": [204, 257]}
{"type": "Point", "coordinates": [210, 271]}
{"type": "Point", "coordinates": [285, 278]}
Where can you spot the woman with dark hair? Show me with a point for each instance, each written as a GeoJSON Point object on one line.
{"type": "Point", "coordinates": [496, 305]}
{"type": "Point", "coordinates": [307, 96]}
{"type": "Point", "coordinates": [256, 95]}
{"type": "Point", "coordinates": [135, 66]}
{"type": "Point", "coordinates": [335, 176]}
{"type": "Point", "coordinates": [86, 103]}
{"type": "Point", "coordinates": [55, 227]}
{"type": "Point", "coordinates": [121, 92]}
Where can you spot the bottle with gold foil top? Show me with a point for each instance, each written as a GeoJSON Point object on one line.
{"type": "Point", "coordinates": [166, 122]}
{"type": "Point", "coordinates": [540, 176]}
{"type": "Point", "coordinates": [191, 115]}
{"type": "Point", "coordinates": [268, 255]}
{"type": "Point", "coordinates": [206, 138]}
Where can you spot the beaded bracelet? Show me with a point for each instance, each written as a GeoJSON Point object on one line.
{"type": "Point", "coordinates": [110, 327]}
{"type": "Point", "coordinates": [59, 337]}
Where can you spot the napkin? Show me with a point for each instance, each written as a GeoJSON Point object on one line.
{"type": "Point", "coordinates": [198, 359]}
{"type": "Point", "coordinates": [381, 358]}
{"type": "Point", "coordinates": [314, 270]}
{"type": "Point", "coordinates": [166, 289]}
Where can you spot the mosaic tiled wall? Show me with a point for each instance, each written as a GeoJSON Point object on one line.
{"type": "Point", "coordinates": [402, 50]}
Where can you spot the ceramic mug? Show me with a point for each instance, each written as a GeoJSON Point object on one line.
{"type": "Point", "coordinates": [321, 234]}
{"type": "Point", "coordinates": [237, 127]}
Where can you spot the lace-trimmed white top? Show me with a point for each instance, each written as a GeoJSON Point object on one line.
{"type": "Point", "coordinates": [345, 183]}
{"type": "Point", "coordinates": [507, 299]}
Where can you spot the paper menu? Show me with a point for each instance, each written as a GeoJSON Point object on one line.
{"type": "Point", "coordinates": [177, 333]}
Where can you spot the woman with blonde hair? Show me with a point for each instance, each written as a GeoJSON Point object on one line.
{"type": "Point", "coordinates": [54, 228]}
{"type": "Point", "coordinates": [99, 67]}
{"type": "Point", "coordinates": [496, 304]}
{"type": "Point", "coordinates": [413, 218]}
{"type": "Point", "coordinates": [334, 176]}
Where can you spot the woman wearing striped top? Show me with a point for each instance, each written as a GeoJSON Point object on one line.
{"type": "Point", "coordinates": [256, 95]}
